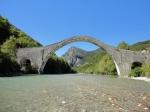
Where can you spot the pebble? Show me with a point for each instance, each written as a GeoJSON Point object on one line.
{"type": "Point", "coordinates": [121, 108]}
{"type": "Point", "coordinates": [83, 110]}
{"type": "Point", "coordinates": [28, 110]}
{"type": "Point", "coordinates": [103, 95]}
{"type": "Point", "coordinates": [112, 104]}
{"type": "Point", "coordinates": [57, 97]}
{"type": "Point", "coordinates": [44, 91]}
{"type": "Point", "coordinates": [7, 106]}
{"type": "Point", "coordinates": [145, 108]}
{"type": "Point", "coordinates": [63, 102]}
{"type": "Point", "coordinates": [110, 98]}
{"type": "Point", "coordinates": [144, 98]}
{"type": "Point", "coordinates": [139, 104]}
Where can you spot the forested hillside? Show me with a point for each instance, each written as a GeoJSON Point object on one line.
{"type": "Point", "coordinates": [140, 46]}
{"type": "Point", "coordinates": [12, 38]}
{"type": "Point", "coordinates": [98, 62]}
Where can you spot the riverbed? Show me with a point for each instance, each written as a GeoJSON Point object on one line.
{"type": "Point", "coordinates": [73, 93]}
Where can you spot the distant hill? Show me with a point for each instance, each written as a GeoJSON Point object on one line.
{"type": "Point", "coordinates": [76, 56]}
{"type": "Point", "coordinates": [140, 46]}
{"type": "Point", "coordinates": [96, 62]}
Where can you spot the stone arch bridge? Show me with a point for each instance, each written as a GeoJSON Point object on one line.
{"type": "Point", "coordinates": [123, 59]}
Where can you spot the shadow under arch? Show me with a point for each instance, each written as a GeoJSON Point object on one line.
{"type": "Point", "coordinates": [136, 64]}
{"type": "Point", "coordinates": [54, 47]}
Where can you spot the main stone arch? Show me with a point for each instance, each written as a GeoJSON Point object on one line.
{"type": "Point", "coordinates": [54, 47]}
{"type": "Point", "coordinates": [123, 59]}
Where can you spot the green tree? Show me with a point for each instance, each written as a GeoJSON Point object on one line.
{"type": "Point", "coordinates": [146, 69]}
{"type": "Point", "coordinates": [99, 63]}
{"type": "Point", "coordinates": [106, 66]}
{"type": "Point", "coordinates": [136, 72]}
{"type": "Point", "coordinates": [123, 45]}
{"type": "Point", "coordinates": [9, 47]}
{"type": "Point", "coordinates": [4, 29]}
{"type": "Point", "coordinates": [8, 67]}
{"type": "Point", "coordinates": [56, 65]}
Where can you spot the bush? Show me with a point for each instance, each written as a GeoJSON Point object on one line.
{"type": "Point", "coordinates": [146, 69]}
{"type": "Point", "coordinates": [8, 67]}
{"type": "Point", "coordinates": [136, 72]}
{"type": "Point", "coordinates": [123, 45]}
{"type": "Point", "coordinates": [56, 65]}
{"type": "Point", "coordinates": [8, 47]}
{"type": "Point", "coordinates": [99, 63]}
{"type": "Point", "coordinates": [4, 29]}
{"type": "Point", "coordinates": [106, 66]}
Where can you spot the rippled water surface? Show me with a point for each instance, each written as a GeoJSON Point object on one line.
{"type": "Point", "coordinates": [73, 93]}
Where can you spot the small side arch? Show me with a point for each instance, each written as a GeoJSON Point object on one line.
{"type": "Point", "coordinates": [136, 64]}
{"type": "Point", "coordinates": [25, 64]}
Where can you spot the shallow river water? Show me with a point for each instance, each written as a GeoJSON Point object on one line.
{"type": "Point", "coordinates": [73, 93]}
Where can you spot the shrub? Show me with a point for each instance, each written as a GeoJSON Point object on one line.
{"type": "Point", "coordinates": [4, 29]}
{"type": "Point", "coordinates": [99, 63]}
{"type": "Point", "coordinates": [136, 72]}
{"type": "Point", "coordinates": [8, 67]}
{"type": "Point", "coordinates": [107, 66]}
{"type": "Point", "coordinates": [8, 47]}
{"type": "Point", "coordinates": [146, 69]}
{"type": "Point", "coordinates": [56, 65]}
{"type": "Point", "coordinates": [123, 45]}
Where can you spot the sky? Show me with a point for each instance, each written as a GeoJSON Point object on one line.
{"type": "Point", "coordinates": [50, 21]}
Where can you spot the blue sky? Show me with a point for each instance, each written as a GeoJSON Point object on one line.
{"type": "Point", "coordinates": [111, 21]}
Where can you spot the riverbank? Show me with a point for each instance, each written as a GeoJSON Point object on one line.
{"type": "Point", "coordinates": [141, 78]}
{"type": "Point", "coordinates": [73, 93]}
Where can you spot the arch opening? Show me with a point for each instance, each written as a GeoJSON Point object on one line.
{"type": "Point", "coordinates": [61, 44]}
{"type": "Point", "coordinates": [136, 69]}
{"type": "Point", "coordinates": [136, 64]}
{"type": "Point", "coordinates": [27, 67]}
{"type": "Point", "coordinates": [25, 64]}
{"type": "Point", "coordinates": [56, 65]}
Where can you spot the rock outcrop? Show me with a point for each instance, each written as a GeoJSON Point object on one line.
{"type": "Point", "coordinates": [74, 56]}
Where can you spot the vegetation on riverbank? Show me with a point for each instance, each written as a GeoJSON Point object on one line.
{"type": "Point", "coordinates": [98, 63]}
{"type": "Point", "coordinates": [144, 70]}
{"type": "Point", "coordinates": [56, 65]}
{"type": "Point", "coordinates": [8, 66]}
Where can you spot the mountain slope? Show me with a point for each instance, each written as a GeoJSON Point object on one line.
{"type": "Point", "coordinates": [12, 38]}
{"type": "Point", "coordinates": [140, 46]}
{"type": "Point", "coordinates": [74, 56]}
{"type": "Point", "coordinates": [96, 62]}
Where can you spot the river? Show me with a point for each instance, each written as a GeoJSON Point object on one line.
{"type": "Point", "coordinates": [73, 93]}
